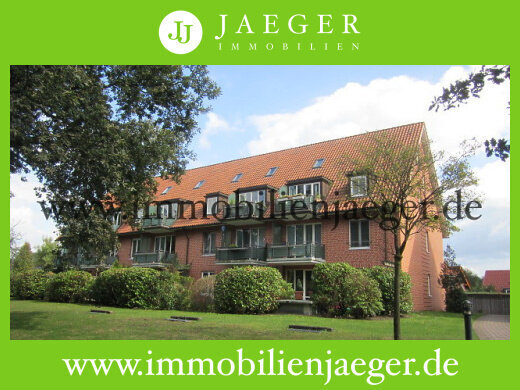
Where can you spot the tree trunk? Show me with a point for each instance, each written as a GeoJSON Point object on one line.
{"type": "Point", "coordinates": [397, 295]}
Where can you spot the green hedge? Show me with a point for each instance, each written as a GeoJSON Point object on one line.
{"type": "Point", "coordinates": [384, 276]}
{"type": "Point", "coordinates": [344, 291]}
{"type": "Point", "coordinates": [455, 300]}
{"type": "Point", "coordinates": [69, 286]}
{"type": "Point", "coordinates": [30, 284]}
{"type": "Point", "coordinates": [249, 290]}
{"type": "Point", "coordinates": [141, 288]}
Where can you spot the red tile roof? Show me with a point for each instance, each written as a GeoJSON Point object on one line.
{"type": "Point", "coordinates": [293, 164]}
{"type": "Point", "coordinates": [498, 279]}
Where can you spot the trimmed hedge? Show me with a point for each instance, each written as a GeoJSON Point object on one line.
{"type": "Point", "coordinates": [344, 291]}
{"type": "Point", "coordinates": [203, 294]}
{"type": "Point", "coordinates": [141, 288]}
{"type": "Point", "coordinates": [30, 284]}
{"type": "Point", "coordinates": [69, 286]}
{"type": "Point", "coordinates": [251, 290]}
{"type": "Point", "coordinates": [384, 276]}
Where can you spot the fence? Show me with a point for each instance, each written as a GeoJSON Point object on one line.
{"type": "Point", "coordinates": [490, 303]}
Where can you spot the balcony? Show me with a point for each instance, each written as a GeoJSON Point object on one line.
{"type": "Point", "coordinates": [91, 263]}
{"type": "Point", "coordinates": [158, 260]}
{"type": "Point", "coordinates": [296, 254]}
{"type": "Point", "coordinates": [298, 203]}
{"type": "Point", "coordinates": [241, 256]}
{"type": "Point", "coordinates": [157, 225]}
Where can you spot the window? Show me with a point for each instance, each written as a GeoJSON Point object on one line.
{"type": "Point", "coordinates": [136, 246]}
{"type": "Point", "coordinates": [271, 171]}
{"type": "Point", "coordinates": [429, 285]}
{"type": "Point", "coordinates": [116, 218]}
{"type": "Point", "coordinates": [209, 205]}
{"type": "Point", "coordinates": [175, 206]}
{"type": "Point", "coordinates": [309, 189]}
{"type": "Point", "coordinates": [209, 244]}
{"type": "Point", "coordinates": [304, 234]}
{"type": "Point", "coordinates": [252, 196]}
{"type": "Point", "coordinates": [250, 237]}
{"type": "Point", "coordinates": [358, 186]}
{"type": "Point", "coordinates": [165, 244]}
{"type": "Point", "coordinates": [205, 274]}
{"type": "Point", "coordinates": [199, 184]}
{"type": "Point", "coordinates": [165, 210]}
{"type": "Point", "coordinates": [427, 242]}
{"type": "Point", "coordinates": [359, 234]}
{"type": "Point", "coordinates": [237, 177]}
{"type": "Point", "coordinates": [152, 210]}
{"type": "Point", "coordinates": [318, 163]}
{"type": "Point", "coordinates": [140, 213]}
{"type": "Point", "coordinates": [166, 190]}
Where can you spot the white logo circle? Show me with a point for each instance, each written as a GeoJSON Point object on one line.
{"type": "Point", "coordinates": [180, 32]}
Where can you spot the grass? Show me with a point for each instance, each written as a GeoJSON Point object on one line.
{"type": "Point", "coordinates": [63, 321]}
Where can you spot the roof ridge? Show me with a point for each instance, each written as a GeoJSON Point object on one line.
{"type": "Point", "coordinates": [306, 145]}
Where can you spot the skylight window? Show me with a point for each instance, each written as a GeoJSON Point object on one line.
{"type": "Point", "coordinates": [199, 184]}
{"type": "Point", "coordinates": [318, 163]}
{"type": "Point", "coordinates": [166, 190]}
{"type": "Point", "coordinates": [271, 171]}
{"type": "Point", "coordinates": [237, 177]}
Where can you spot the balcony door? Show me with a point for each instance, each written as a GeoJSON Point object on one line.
{"type": "Point", "coordinates": [301, 281]}
{"type": "Point", "coordinates": [250, 237]}
{"type": "Point", "coordinates": [165, 244]}
{"type": "Point", "coordinates": [304, 234]}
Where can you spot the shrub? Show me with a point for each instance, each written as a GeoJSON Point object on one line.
{"type": "Point", "coordinates": [69, 286]}
{"type": "Point", "coordinates": [455, 298]}
{"type": "Point", "coordinates": [140, 288]}
{"type": "Point", "coordinates": [249, 290]}
{"type": "Point", "coordinates": [30, 284]}
{"type": "Point", "coordinates": [384, 276]}
{"type": "Point", "coordinates": [203, 294]}
{"type": "Point", "coordinates": [343, 291]}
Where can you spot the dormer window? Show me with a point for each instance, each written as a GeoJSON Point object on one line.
{"type": "Point", "coordinates": [199, 184]}
{"type": "Point", "coordinates": [307, 189]}
{"type": "Point", "coordinates": [271, 171]}
{"type": "Point", "coordinates": [358, 186]}
{"type": "Point", "coordinates": [165, 210]}
{"type": "Point", "coordinates": [252, 196]}
{"type": "Point", "coordinates": [237, 177]}
{"type": "Point", "coordinates": [166, 190]}
{"type": "Point", "coordinates": [318, 163]}
{"type": "Point", "coordinates": [210, 202]}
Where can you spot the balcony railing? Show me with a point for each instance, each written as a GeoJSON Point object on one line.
{"type": "Point", "coordinates": [298, 202]}
{"type": "Point", "coordinates": [252, 210]}
{"type": "Point", "coordinates": [158, 259]}
{"type": "Point", "coordinates": [241, 255]}
{"type": "Point", "coordinates": [93, 262]}
{"type": "Point", "coordinates": [308, 251]}
{"type": "Point", "coordinates": [154, 222]}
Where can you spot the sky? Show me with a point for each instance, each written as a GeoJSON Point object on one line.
{"type": "Point", "coordinates": [267, 108]}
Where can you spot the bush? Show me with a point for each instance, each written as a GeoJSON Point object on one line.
{"type": "Point", "coordinates": [344, 291]}
{"type": "Point", "coordinates": [455, 300]}
{"type": "Point", "coordinates": [203, 294]}
{"type": "Point", "coordinates": [384, 276]}
{"type": "Point", "coordinates": [30, 284]}
{"type": "Point", "coordinates": [249, 290]}
{"type": "Point", "coordinates": [69, 286]}
{"type": "Point", "coordinates": [140, 288]}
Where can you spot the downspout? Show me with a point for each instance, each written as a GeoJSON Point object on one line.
{"type": "Point", "coordinates": [187, 245]}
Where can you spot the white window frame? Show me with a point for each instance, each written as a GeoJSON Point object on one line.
{"type": "Point", "coordinates": [167, 208]}
{"type": "Point", "coordinates": [352, 179]}
{"type": "Point", "coordinates": [237, 178]}
{"type": "Point", "coordinates": [427, 241]}
{"type": "Point", "coordinates": [167, 248]}
{"type": "Point", "coordinates": [212, 236]}
{"type": "Point", "coordinates": [166, 190]}
{"type": "Point", "coordinates": [132, 252]}
{"type": "Point", "coordinates": [317, 164]}
{"type": "Point", "coordinates": [251, 198]}
{"type": "Point", "coordinates": [209, 204]}
{"type": "Point", "coordinates": [293, 189]}
{"type": "Point", "coordinates": [304, 233]}
{"type": "Point", "coordinates": [269, 173]}
{"type": "Point", "coordinates": [358, 221]}
{"type": "Point", "coordinates": [205, 274]}
{"type": "Point", "coordinates": [258, 243]}
{"type": "Point", "coordinates": [429, 284]}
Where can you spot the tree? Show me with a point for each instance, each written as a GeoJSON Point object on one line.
{"type": "Point", "coordinates": [96, 137]}
{"type": "Point", "coordinates": [14, 237]}
{"type": "Point", "coordinates": [24, 259]}
{"type": "Point", "coordinates": [462, 90]}
{"type": "Point", "coordinates": [404, 192]}
{"type": "Point", "coordinates": [45, 255]}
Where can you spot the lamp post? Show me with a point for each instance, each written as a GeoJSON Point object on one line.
{"type": "Point", "coordinates": [467, 318]}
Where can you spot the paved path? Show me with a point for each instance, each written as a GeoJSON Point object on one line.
{"type": "Point", "coordinates": [492, 327]}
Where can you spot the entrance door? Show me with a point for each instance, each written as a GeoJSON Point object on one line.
{"type": "Point", "coordinates": [301, 280]}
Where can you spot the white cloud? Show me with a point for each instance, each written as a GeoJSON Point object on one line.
{"type": "Point", "coordinates": [215, 125]}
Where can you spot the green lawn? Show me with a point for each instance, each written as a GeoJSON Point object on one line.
{"type": "Point", "coordinates": [48, 320]}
